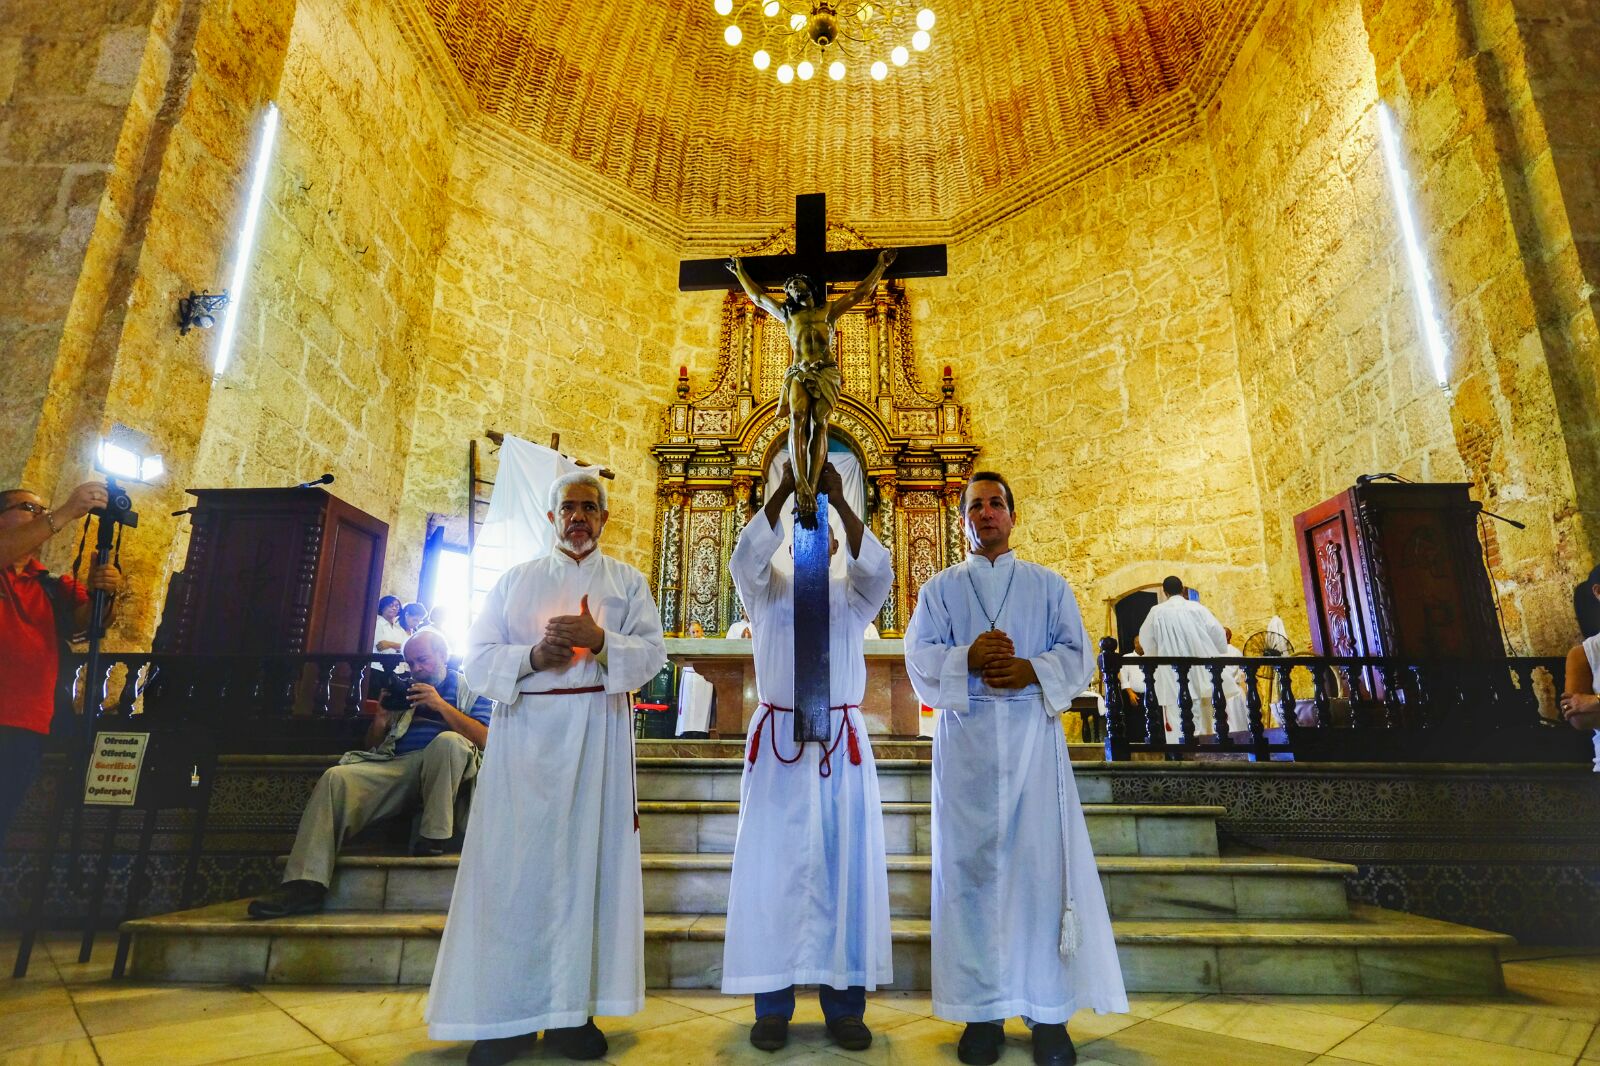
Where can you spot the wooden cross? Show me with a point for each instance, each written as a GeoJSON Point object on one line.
{"type": "Point", "coordinates": [812, 669]}
{"type": "Point", "coordinates": [811, 257]}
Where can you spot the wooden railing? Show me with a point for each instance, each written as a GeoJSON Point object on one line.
{"type": "Point", "coordinates": [1342, 709]}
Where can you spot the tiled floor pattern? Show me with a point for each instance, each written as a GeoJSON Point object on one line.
{"type": "Point", "coordinates": [65, 1014]}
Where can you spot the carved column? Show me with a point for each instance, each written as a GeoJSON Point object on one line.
{"type": "Point", "coordinates": [670, 586]}
{"type": "Point", "coordinates": [882, 343]}
{"type": "Point", "coordinates": [888, 618]}
{"type": "Point", "coordinates": [742, 488]}
{"type": "Point", "coordinates": [955, 541]}
{"type": "Point", "coordinates": [746, 327]}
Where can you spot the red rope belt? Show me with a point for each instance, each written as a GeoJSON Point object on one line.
{"type": "Point", "coordinates": [825, 767]}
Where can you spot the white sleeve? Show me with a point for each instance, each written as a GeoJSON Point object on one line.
{"type": "Point", "coordinates": [493, 666]}
{"type": "Point", "coordinates": [869, 576]}
{"type": "Point", "coordinates": [936, 665]}
{"type": "Point", "coordinates": [751, 562]}
{"type": "Point", "coordinates": [635, 649]}
{"type": "Point", "coordinates": [1067, 666]}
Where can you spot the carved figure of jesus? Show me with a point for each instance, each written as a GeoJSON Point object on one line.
{"type": "Point", "coordinates": [812, 384]}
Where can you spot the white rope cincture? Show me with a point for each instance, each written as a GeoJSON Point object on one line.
{"type": "Point", "coordinates": [1071, 928]}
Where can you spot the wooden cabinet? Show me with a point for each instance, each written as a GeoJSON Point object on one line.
{"type": "Point", "coordinates": [276, 570]}
{"type": "Point", "coordinates": [1397, 570]}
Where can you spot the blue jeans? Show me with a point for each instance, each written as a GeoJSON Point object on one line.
{"type": "Point", "coordinates": [847, 1003]}
{"type": "Point", "coordinates": [21, 751]}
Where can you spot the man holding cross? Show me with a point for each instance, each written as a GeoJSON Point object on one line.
{"type": "Point", "coordinates": [809, 900]}
{"type": "Point", "coordinates": [812, 384]}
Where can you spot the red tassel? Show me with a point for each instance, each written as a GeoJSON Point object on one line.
{"type": "Point", "coordinates": [855, 749]}
{"type": "Point", "coordinates": [755, 749]}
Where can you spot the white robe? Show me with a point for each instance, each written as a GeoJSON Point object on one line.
{"type": "Point", "coordinates": [1184, 628]}
{"type": "Point", "coordinates": [809, 899]}
{"type": "Point", "coordinates": [546, 923]}
{"type": "Point", "coordinates": [1004, 800]}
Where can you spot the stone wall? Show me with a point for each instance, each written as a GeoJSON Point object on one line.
{"type": "Point", "coordinates": [337, 313]}
{"type": "Point", "coordinates": [550, 316]}
{"type": "Point", "coordinates": [1094, 347]}
{"type": "Point", "coordinates": [67, 74]}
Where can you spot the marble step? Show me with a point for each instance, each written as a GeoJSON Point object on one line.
{"type": "Point", "coordinates": [1136, 886]}
{"type": "Point", "coordinates": [709, 827]}
{"type": "Point", "coordinates": [899, 780]}
{"type": "Point", "coordinates": [1370, 952]}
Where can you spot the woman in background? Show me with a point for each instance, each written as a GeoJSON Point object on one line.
{"type": "Point", "coordinates": [1580, 706]}
{"type": "Point", "coordinates": [389, 637]}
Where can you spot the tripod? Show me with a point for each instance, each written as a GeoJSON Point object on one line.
{"type": "Point", "coordinates": [117, 513]}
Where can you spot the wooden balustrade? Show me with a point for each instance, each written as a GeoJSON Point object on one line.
{"type": "Point", "coordinates": [1342, 708]}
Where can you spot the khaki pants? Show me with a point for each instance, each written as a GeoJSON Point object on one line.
{"type": "Point", "coordinates": [356, 794]}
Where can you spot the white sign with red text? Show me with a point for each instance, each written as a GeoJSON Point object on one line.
{"type": "Point", "coordinates": [113, 778]}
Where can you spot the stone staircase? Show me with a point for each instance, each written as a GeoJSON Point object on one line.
{"type": "Point", "coordinates": [1187, 919]}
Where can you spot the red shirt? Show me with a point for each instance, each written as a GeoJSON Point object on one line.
{"type": "Point", "coordinates": [29, 656]}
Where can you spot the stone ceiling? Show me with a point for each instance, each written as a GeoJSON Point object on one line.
{"type": "Point", "coordinates": [645, 93]}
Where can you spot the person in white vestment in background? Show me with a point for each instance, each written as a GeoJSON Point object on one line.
{"type": "Point", "coordinates": [546, 925]}
{"type": "Point", "coordinates": [1183, 628]}
{"type": "Point", "coordinates": [1020, 925]}
{"type": "Point", "coordinates": [809, 900]}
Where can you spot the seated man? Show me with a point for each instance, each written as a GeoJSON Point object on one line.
{"type": "Point", "coordinates": [424, 755]}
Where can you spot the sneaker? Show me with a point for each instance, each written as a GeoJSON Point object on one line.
{"type": "Point", "coordinates": [428, 847]}
{"type": "Point", "coordinates": [769, 1033]}
{"type": "Point", "coordinates": [981, 1043]}
{"type": "Point", "coordinates": [580, 1042]}
{"type": "Point", "coordinates": [291, 897]}
{"type": "Point", "coordinates": [500, 1051]}
{"type": "Point", "coordinates": [1052, 1046]}
{"type": "Point", "coordinates": [851, 1034]}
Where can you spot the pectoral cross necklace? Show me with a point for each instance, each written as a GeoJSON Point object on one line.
{"type": "Point", "coordinates": [995, 618]}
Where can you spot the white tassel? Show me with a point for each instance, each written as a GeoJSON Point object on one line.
{"type": "Point", "coordinates": [1071, 933]}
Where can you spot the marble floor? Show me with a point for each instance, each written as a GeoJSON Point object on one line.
{"type": "Point", "coordinates": [66, 1013]}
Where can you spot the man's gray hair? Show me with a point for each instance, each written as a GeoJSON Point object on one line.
{"type": "Point", "coordinates": [577, 477]}
{"type": "Point", "coordinates": [431, 637]}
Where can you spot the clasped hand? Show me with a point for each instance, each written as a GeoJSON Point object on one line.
{"type": "Point", "coordinates": [1581, 710]}
{"type": "Point", "coordinates": [424, 696]}
{"type": "Point", "coordinates": [566, 633]}
{"type": "Point", "coordinates": [994, 657]}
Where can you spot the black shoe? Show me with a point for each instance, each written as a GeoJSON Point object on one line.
{"type": "Point", "coordinates": [1052, 1046]}
{"type": "Point", "coordinates": [428, 847]}
{"type": "Point", "coordinates": [580, 1042]}
{"type": "Point", "coordinates": [769, 1033]}
{"type": "Point", "coordinates": [851, 1034]}
{"type": "Point", "coordinates": [291, 897]}
{"type": "Point", "coordinates": [500, 1051]}
{"type": "Point", "coordinates": [981, 1043]}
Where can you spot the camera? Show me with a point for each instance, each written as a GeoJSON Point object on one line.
{"type": "Point", "coordinates": [393, 690]}
{"type": "Point", "coordinates": [119, 506]}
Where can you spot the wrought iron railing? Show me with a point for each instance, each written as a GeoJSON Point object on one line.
{"type": "Point", "coordinates": [1343, 708]}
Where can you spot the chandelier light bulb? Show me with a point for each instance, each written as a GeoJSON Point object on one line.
{"type": "Point", "coordinates": [786, 74]}
{"type": "Point", "coordinates": [733, 35]}
{"type": "Point", "coordinates": [900, 55]}
{"type": "Point", "coordinates": [805, 70]}
{"type": "Point", "coordinates": [771, 10]}
{"type": "Point", "coordinates": [797, 22]}
{"type": "Point", "coordinates": [723, 6]}
{"type": "Point", "coordinates": [920, 40]}
{"type": "Point", "coordinates": [880, 70]}
{"type": "Point", "coordinates": [925, 19]}
{"type": "Point", "coordinates": [836, 70]}
{"type": "Point", "coordinates": [761, 59]}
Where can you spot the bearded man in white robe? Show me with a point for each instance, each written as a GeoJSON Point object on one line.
{"type": "Point", "coordinates": [809, 901]}
{"type": "Point", "coordinates": [1183, 628]}
{"type": "Point", "coordinates": [546, 925]}
{"type": "Point", "coordinates": [1020, 925]}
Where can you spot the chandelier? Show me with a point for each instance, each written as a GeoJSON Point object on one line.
{"type": "Point", "coordinates": [798, 39]}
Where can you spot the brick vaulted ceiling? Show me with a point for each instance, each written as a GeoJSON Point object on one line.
{"type": "Point", "coordinates": [646, 93]}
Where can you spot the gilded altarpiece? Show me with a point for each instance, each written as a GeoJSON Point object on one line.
{"type": "Point", "coordinates": [717, 441]}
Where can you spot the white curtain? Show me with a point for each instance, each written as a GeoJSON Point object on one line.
{"type": "Point", "coordinates": [844, 460]}
{"type": "Point", "coordinates": [516, 528]}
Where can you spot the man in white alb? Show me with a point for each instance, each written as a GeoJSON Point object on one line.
{"type": "Point", "coordinates": [1183, 628]}
{"type": "Point", "coordinates": [809, 901]}
{"type": "Point", "coordinates": [546, 925]}
{"type": "Point", "coordinates": [1020, 925]}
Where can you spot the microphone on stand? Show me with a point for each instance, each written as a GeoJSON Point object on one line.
{"type": "Point", "coordinates": [325, 479]}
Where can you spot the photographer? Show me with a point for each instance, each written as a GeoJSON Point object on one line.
{"type": "Point", "coordinates": [39, 616]}
{"type": "Point", "coordinates": [426, 739]}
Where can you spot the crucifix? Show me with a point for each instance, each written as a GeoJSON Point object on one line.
{"type": "Point", "coordinates": [811, 388]}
